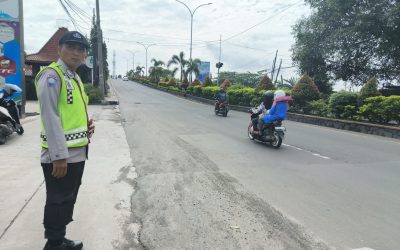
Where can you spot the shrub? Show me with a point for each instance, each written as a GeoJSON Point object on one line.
{"type": "Point", "coordinates": [197, 90]}
{"type": "Point", "coordinates": [226, 84]}
{"type": "Point", "coordinates": [172, 82]}
{"type": "Point", "coordinates": [319, 108]}
{"type": "Point", "coordinates": [305, 91]}
{"type": "Point", "coordinates": [381, 109]}
{"type": "Point", "coordinates": [209, 92]}
{"type": "Point", "coordinates": [349, 111]}
{"type": "Point", "coordinates": [373, 109]}
{"type": "Point", "coordinates": [208, 82]}
{"type": "Point", "coordinates": [391, 105]}
{"type": "Point", "coordinates": [338, 101]}
{"type": "Point", "coordinates": [370, 89]}
{"type": "Point", "coordinates": [93, 93]}
{"type": "Point", "coordinates": [243, 97]}
{"type": "Point", "coordinates": [195, 83]}
{"type": "Point", "coordinates": [265, 84]}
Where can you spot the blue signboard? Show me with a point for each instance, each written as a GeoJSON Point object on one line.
{"type": "Point", "coordinates": [204, 68]}
{"type": "Point", "coordinates": [10, 55]}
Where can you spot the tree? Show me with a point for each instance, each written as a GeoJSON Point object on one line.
{"type": "Point", "coordinates": [180, 61]}
{"type": "Point", "coordinates": [349, 40]}
{"type": "Point", "coordinates": [265, 84]}
{"type": "Point", "coordinates": [139, 71]}
{"type": "Point", "coordinates": [192, 67]}
{"type": "Point", "coordinates": [156, 71]}
{"type": "Point", "coordinates": [305, 91]}
{"type": "Point", "coordinates": [370, 89]}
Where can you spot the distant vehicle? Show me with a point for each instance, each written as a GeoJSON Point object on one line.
{"type": "Point", "coordinates": [125, 78]}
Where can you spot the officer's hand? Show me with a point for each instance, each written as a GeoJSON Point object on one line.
{"type": "Point", "coordinates": [59, 168]}
{"type": "Point", "coordinates": [91, 128]}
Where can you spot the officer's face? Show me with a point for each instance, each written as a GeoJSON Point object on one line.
{"type": "Point", "coordinates": [72, 54]}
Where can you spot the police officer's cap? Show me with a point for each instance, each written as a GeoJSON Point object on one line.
{"type": "Point", "coordinates": [74, 37]}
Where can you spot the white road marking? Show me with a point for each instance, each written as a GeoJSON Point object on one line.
{"type": "Point", "coordinates": [308, 151]}
{"type": "Point", "coordinates": [363, 248]}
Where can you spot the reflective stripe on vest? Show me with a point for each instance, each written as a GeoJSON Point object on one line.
{"type": "Point", "coordinates": [72, 109]}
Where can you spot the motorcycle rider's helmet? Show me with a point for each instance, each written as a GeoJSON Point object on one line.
{"type": "Point", "coordinates": [279, 93]}
{"type": "Point", "coordinates": [268, 99]}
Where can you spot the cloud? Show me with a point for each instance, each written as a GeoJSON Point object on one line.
{"type": "Point", "coordinates": [167, 23]}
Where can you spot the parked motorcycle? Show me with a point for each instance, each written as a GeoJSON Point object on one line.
{"type": "Point", "coordinates": [271, 133]}
{"type": "Point", "coordinates": [221, 108]}
{"type": "Point", "coordinates": [9, 117]}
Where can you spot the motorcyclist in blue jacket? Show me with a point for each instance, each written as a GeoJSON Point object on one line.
{"type": "Point", "coordinates": [278, 110]}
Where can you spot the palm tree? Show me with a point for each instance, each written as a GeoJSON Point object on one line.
{"type": "Point", "coordinates": [180, 61]}
{"type": "Point", "coordinates": [192, 67]}
{"type": "Point", "coordinates": [157, 63]}
{"type": "Point", "coordinates": [156, 70]}
{"type": "Point", "coordinates": [139, 71]}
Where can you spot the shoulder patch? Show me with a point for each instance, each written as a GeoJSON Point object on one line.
{"type": "Point", "coordinates": [51, 81]}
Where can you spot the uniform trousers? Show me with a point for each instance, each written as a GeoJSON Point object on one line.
{"type": "Point", "coordinates": [61, 194]}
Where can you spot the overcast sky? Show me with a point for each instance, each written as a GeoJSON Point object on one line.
{"type": "Point", "coordinates": [167, 23]}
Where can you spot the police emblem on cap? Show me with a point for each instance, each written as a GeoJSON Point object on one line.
{"type": "Point", "coordinates": [76, 35]}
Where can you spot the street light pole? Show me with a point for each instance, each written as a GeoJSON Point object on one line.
{"type": "Point", "coordinates": [146, 47]}
{"type": "Point", "coordinates": [133, 58]}
{"type": "Point", "coordinates": [191, 24]}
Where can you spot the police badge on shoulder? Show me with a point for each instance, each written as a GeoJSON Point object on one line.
{"type": "Point", "coordinates": [51, 81]}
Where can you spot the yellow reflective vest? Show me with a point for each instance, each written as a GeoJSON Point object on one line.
{"type": "Point", "coordinates": [72, 109]}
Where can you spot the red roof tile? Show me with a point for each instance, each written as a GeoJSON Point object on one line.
{"type": "Point", "coordinates": [48, 53]}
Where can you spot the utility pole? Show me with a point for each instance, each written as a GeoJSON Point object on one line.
{"type": "Point", "coordinates": [22, 56]}
{"type": "Point", "coordinates": [100, 50]}
{"type": "Point", "coordinates": [95, 74]}
{"type": "Point", "coordinates": [277, 74]}
{"type": "Point", "coordinates": [273, 67]}
{"type": "Point", "coordinates": [219, 59]}
{"type": "Point", "coordinates": [114, 63]}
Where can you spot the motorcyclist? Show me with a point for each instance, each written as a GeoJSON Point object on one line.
{"type": "Point", "coordinates": [263, 108]}
{"type": "Point", "coordinates": [220, 97]}
{"type": "Point", "coordinates": [278, 110]}
{"type": "Point", "coordinates": [9, 104]}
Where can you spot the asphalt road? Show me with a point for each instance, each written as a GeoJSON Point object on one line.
{"type": "Point", "coordinates": [203, 184]}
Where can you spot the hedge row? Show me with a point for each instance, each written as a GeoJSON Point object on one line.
{"type": "Point", "coordinates": [344, 105]}
{"type": "Point", "coordinates": [379, 109]}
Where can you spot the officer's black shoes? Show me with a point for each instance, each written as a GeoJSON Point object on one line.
{"type": "Point", "coordinates": [73, 244]}
{"type": "Point", "coordinates": [65, 245]}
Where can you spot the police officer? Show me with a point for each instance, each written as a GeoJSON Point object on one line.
{"type": "Point", "coordinates": [65, 133]}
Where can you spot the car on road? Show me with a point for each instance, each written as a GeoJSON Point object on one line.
{"type": "Point", "coordinates": [125, 78]}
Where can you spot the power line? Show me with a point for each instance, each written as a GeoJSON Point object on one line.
{"type": "Point", "coordinates": [263, 21]}
{"type": "Point", "coordinates": [69, 15]}
{"type": "Point", "coordinates": [81, 11]}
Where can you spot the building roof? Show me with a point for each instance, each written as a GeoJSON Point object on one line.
{"type": "Point", "coordinates": [48, 53]}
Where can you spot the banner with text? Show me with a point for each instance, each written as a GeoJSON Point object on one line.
{"type": "Point", "coordinates": [10, 51]}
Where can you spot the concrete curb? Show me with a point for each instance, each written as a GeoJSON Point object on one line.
{"type": "Point", "coordinates": [366, 128]}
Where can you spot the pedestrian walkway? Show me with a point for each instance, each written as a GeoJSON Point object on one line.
{"type": "Point", "coordinates": [103, 205]}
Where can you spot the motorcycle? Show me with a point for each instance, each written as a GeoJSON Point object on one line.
{"type": "Point", "coordinates": [221, 108]}
{"type": "Point", "coordinates": [9, 118]}
{"type": "Point", "coordinates": [273, 133]}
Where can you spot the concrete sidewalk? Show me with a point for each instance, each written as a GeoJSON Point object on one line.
{"type": "Point", "coordinates": [103, 208]}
